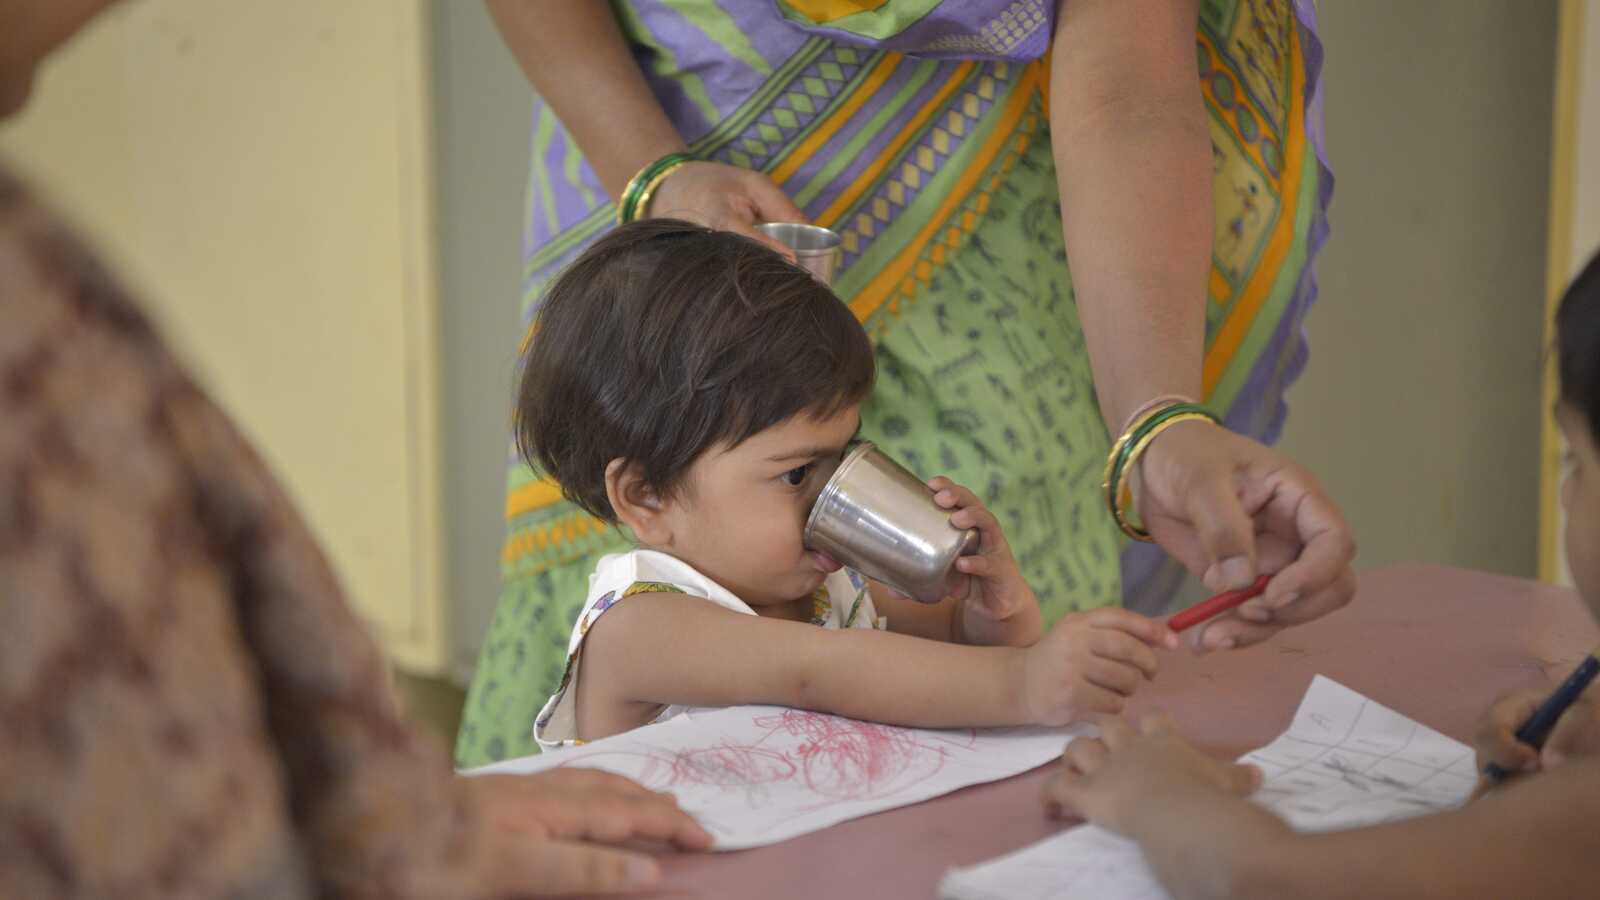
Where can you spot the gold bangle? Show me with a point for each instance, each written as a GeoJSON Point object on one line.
{"type": "Point", "coordinates": [1125, 489]}
{"type": "Point", "coordinates": [641, 207]}
{"type": "Point", "coordinates": [1153, 404]}
{"type": "Point", "coordinates": [628, 201]}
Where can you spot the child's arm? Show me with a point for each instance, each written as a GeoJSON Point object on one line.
{"type": "Point", "coordinates": [1001, 610]}
{"type": "Point", "coordinates": [677, 649]}
{"type": "Point", "coordinates": [1204, 840]}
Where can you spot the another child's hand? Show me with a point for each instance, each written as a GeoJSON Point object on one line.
{"type": "Point", "coordinates": [1577, 734]}
{"type": "Point", "coordinates": [1089, 663]}
{"type": "Point", "coordinates": [1110, 779]}
{"type": "Point", "coordinates": [1002, 609]}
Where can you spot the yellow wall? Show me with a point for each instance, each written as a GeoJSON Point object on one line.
{"type": "Point", "coordinates": [1574, 233]}
{"type": "Point", "coordinates": [1419, 408]}
{"type": "Point", "coordinates": [261, 173]}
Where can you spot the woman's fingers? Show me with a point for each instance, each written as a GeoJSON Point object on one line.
{"type": "Point", "coordinates": [539, 868]}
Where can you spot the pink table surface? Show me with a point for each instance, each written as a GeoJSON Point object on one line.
{"type": "Point", "coordinates": [1434, 643]}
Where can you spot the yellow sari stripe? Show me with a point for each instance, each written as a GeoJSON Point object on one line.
{"type": "Point", "coordinates": [532, 496]}
{"type": "Point", "coordinates": [891, 151]}
{"type": "Point", "coordinates": [824, 11]}
{"type": "Point", "coordinates": [1221, 290]}
{"type": "Point", "coordinates": [831, 125]}
{"type": "Point", "coordinates": [879, 289]}
{"type": "Point", "coordinates": [562, 531]}
{"type": "Point", "coordinates": [1237, 325]}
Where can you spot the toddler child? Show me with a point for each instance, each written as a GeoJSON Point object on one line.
{"type": "Point", "coordinates": [699, 389]}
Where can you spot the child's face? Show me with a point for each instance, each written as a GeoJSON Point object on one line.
{"type": "Point", "coordinates": [741, 514]}
{"type": "Point", "coordinates": [1580, 493]}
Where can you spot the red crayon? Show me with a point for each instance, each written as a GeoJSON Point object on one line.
{"type": "Point", "coordinates": [1221, 603]}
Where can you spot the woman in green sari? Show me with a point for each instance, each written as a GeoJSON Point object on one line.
{"type": "Point", "coordinates": [1170, 149]}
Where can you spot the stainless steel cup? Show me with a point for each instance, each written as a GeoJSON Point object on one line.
{"type": "Point", "coordinates": [816, 249]}
{"type": "Point", "coordinates": [879, 519]}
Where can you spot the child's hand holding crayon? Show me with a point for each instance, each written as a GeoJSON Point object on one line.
{"type": "Point", "coordinates": [1090, 662]}
{"type": "Point", "coordinates": [1576, 734]}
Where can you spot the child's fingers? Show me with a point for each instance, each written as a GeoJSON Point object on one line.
{"type": "Point", "coordinates": [976, 565]}
{"type": "Point", "coordinates": [1085, 755]}
{"type": "Point", "coordinates": [1577, 733]}
{"type": "Point", "coordinates": [950, 495]}
{"type": "Point", "coordinates": [1495, 738]}
{"type": "Point", "coordinates": [1060, 793]}
{"type": "Point", "coordinates": [981, 518]}
{"type": "Point", "coordinates": [1116, 734]}
{"type": "Point", "coordinates": [1151, 631]}
{"type": "Point", "coordinates": [1117, 677]}
{"type": "Point", "coordinates": [1155, 722]}
{"type": "Point", "coordinates": [1240, 778]}
{"type": "Point", "coordinates": [1086, 697]}
{"type": "Point", "coordinates": [1117, 646]}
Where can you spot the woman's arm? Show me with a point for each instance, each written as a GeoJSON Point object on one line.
{"type": "Point", "coordinates": [576, 59]}
{"type": "Point", "coordinates": [1133, 161]}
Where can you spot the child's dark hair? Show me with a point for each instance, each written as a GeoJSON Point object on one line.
{"type": "Point", "coordinates": [1578, 345]}
{"type": "Point", "coordinates": [665, 339]}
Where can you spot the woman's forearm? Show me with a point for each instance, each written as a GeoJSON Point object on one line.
{"type": "Point", "coordinates": [576, 59]}
{"type": "Point", "coordinates": [1133, 161]}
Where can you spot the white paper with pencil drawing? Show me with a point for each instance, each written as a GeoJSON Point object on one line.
{"type": "Point", "coordinates": [1345, 761]}
{"type": "Point", "coordinates": [756, 775]}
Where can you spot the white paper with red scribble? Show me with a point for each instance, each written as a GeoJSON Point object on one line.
{"type": "Point", "coordinates": [757, 775]}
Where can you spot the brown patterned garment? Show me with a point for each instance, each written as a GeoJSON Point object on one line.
{"type": "Point", "coordinates": [188, 706]}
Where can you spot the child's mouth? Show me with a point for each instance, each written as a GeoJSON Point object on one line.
{"type": "Point", "coordinates": [825, 562]}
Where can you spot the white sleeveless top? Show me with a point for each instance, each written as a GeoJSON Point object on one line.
{"type": "Point", "coordinates": [842, 601]}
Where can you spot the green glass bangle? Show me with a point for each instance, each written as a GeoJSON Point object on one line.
{"type": "Point", "coordinates": [627, 205]}
{"type": "Point", "coordinates": [1125, 445]}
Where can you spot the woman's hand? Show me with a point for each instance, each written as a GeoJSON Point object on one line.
{"type": "Point", "coordinates": [1112, 779]}
{"type": "Point", "coordinates": [547, 832]}
{"type": "Point", "coordinates": [724, 197]}
{"type": "Point", "coordinates": [1227, 508]}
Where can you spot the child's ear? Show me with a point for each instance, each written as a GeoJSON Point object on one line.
{"type": "Point", "coordinates": [636, 503]}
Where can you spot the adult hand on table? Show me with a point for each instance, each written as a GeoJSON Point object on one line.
{"type": "Point", "coordinates": [1228, 508]}
{"type": "Point", "coordinates": [724, 197]}
{"type": "Point", "coordinates": [548, 832]}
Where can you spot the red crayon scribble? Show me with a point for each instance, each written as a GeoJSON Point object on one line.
{"type": "Point", "coordinates": [838, 759]}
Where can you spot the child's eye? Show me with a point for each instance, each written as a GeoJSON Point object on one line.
{"type": "Point", "coordinates": [797, 476]}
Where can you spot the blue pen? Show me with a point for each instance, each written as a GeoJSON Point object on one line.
{"type": "Point", "coordinates": [1534, 731]}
